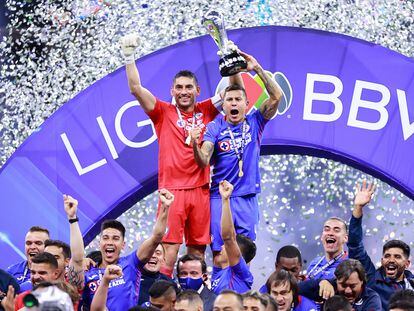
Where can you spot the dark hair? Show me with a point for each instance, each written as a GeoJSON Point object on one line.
{"type": "Point", "coordinates": [39, 229]}
{"type": "Point", "coordinates": [237, 295]}
{"type": "Point", "coordinates": [160, 288]}
{"type": "Point", "coordinates": [402, 299]}
{"type": "Point", "coordinates": [64, 246]}
{"type": "Point", "coordinates": [45, 258]}
{"type": "Point", "coordinates": [191, 257]}
{"type": "Point", "coordinates": [397, 244]}
{"type": "Point", "coordinates": [337, 303]}
{"type": "Point", "coordinates": [289, 251]}
{"type": "Point", "coordinates": [114, 224]}
{"type": "Point", "coordinates": [254, 294]}
{"type": "Point", "coordinates": [281, 277]}
{"type": "Point", "coordinates": [95, 256]}
{"type": "Point", "coordinates": [271, 302]}
{"type": "Point", "coordinates": [191, 295]}
{"type": "Point", "coordinates": [247, 247]}
{"type": "Point", "coordinates": [349, 266]}
{"type": "Point", "coordinates": [234, 87]}
{"type": "Point", "coordinates": [187, 74]}
{"type": "Point", "coordinates": [340, 220]}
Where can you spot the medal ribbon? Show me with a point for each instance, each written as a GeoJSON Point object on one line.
{"type": "Point", "coordinates": [239, 153]}
{"type": "Point", "coordinates": [187, 139]}
{"type": "Point", "coordinates": [314, 272]}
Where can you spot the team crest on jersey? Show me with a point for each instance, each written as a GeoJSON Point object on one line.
{"type": "Point", "coordinates": [93, 286]}
{"type": "Point", "coordinates": [224, 145]}
{"type": "Point", "coordinates": [181, 123]}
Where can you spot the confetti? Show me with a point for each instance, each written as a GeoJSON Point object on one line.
{"type": "Point", "coordinates": [53, 50]}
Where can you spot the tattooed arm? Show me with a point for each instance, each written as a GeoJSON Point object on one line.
{"type": "Point", "coordinates": [202, 154]}
{"type": "Point", "coordinates": [269, 107]}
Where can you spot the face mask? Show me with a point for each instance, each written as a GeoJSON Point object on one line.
{"type": "Point", "coordinates": [189, 283]}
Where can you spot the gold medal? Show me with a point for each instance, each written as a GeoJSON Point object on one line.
{"type": "Point", "coordinates": [241, 168]}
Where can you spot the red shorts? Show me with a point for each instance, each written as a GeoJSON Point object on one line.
{"type": "Point", "coordinates": [189, 216]}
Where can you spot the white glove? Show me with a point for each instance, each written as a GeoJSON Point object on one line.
{"type": "Point", "coordinates": [129, 45]}
{"type": "Point", "coordinates": [231, 46]}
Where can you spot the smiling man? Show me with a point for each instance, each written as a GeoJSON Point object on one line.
{"type": "Point", "coordinates": [120, 288]}
{"type": "Point", "coordinates": [178, 171]}
{"type": "Point", "coordinates": [334, 236]}
{"type": "Point", "coordinates": [393, 274]}
{"type": "Point", "coordinates": [151, 273]}
{"type": "Point", "coordinates": [43, 268]}
{"type": "Point", "coordinates": [233, 144]}
{"type": "Point", "coordinates": [350, 282]}
{"type": "Point", "coordinates": [34, 244]}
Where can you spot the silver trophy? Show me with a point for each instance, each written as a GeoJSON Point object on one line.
{"type": "Point", "coordinates": [231, 61]}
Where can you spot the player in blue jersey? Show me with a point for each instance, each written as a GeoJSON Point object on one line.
{"type": "Point", "coordinates": [230, 270]}
{"type": "Point", "coordinates": [233, 145]}
{"type": "Point", "coordinates": [334, 236]}
{"type": "Point", "coordinates": [350, 281]}
{"type": "Point", "coordinates": [34, 244]}
{"type": "Point", "coordinates": [114, 284]}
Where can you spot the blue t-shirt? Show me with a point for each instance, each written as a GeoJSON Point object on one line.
{"type": "Point", "coordinates": [20, 271]}
{"type": "Point", "coordinates": [123, 291]}
{"type": "Point", "coordinates": [237, 278]}
{"type": "Point", "coordinates": [321, 269]}
{"type": "Point", "coordinates": [224, 158]}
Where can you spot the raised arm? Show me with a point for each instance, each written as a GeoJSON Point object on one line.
{"type": "Point", "coordinates": [112, 272]}
{"type": "Point", "coordinates": [75, 271]}
{"type": "Point", "coordinates": [148, 247]}
{"type": "Point", "coordinates": [228, 233]}
{"type": "Point", "coordinates": [362, 197]}
{"type": "Point", "coordinates": [203, 153]}
{"type": "Point", "coordinates": [269, 107]}
{"type": "Point", "coordinates": [129, 44]}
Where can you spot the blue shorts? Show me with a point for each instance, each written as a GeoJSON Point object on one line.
{"type": "Point", "coordinates": [245, 211]}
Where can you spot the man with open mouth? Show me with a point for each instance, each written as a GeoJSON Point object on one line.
{"type": "Point", "coordinates": [393, 274]}
{"type": "Point", "coordinates": [334, 236]}
{"type": "Point", "coordinates": [114, 283]}
{"type": "Point", "coordinates": [232, 143]}
{"type": "Point", "coordinates": [34, 244]}
{"type": "Point", "coordinates": [151, 273]}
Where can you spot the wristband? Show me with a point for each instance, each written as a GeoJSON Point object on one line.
{"type": "Point", "coordinates": [73, 220]}
{"type": "Point", "coordinates": [129, 59]}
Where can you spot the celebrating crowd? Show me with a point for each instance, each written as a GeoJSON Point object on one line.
{"type": "Point", "coordinates": [221, 212]}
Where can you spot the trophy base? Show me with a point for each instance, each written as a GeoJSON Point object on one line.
{"type": "Point", "coordinates": [231, 64]}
